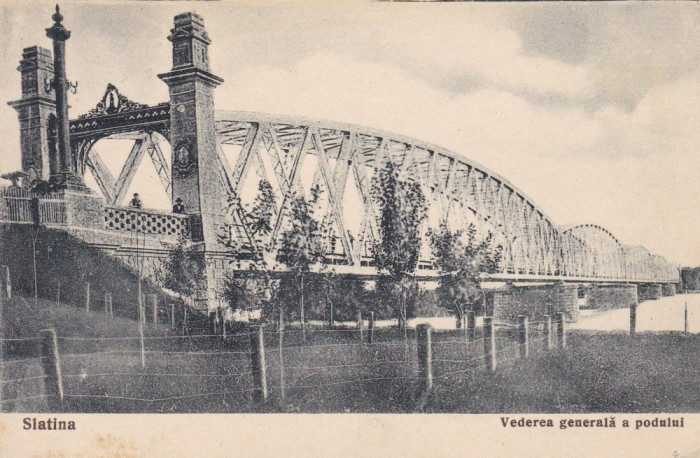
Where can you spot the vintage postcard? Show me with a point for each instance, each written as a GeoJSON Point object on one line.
{"type": "Point", "coordinates": [443, 229]}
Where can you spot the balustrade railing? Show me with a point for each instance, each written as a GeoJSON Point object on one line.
{"type": "Point", "coordinates": [147, 221]}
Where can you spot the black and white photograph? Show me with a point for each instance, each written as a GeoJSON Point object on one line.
{"type": "Point", "coordinates": [488, 210]}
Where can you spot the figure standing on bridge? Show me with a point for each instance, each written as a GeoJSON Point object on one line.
{"type": "Point", "coordinates": [178, 207]}
{"type": "Point", "coordinates": [136, 201]}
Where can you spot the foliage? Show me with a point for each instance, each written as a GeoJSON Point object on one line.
{"type": "Point", "coordinates": [252, 288]}
{"type": "Point", "coordinates": [260, 217]}
{"type": "Point", "coordinates": [402, 211]}
{"type": "Point", "coordinates": [300, 248]}
{"type": "Point", "coordinates": [690, 278]}
{"type": "Point", "coordinates": [249, 289]}
{"type": "Point", "coordinates": [301, 245]}
{"type": "Point", "coordinates": [183, 270]}
{"type": "Point", "coordinates": [461, 258]}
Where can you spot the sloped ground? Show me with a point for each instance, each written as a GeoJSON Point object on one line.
{"type": "Point", "coordinates": [64, 265]}
{"type": "Point", "coordinates": [333, 372]}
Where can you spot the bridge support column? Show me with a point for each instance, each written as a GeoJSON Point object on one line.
{"type": "Point", "coordinates": [533, 301]}
{"type": "Point", "coordinates": [37, 115]}
{"type": "Point", "coordinates": [606, 297]}
{"type": "Point", "coordinates": [668, 289]}
{"type": "Point", "coordinates": [649, 292]}
{"type": "Point", "coordinates": [196, 177]}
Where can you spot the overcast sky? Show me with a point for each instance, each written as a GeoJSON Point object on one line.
{"type": "Point", "coordinates": [591, 109]}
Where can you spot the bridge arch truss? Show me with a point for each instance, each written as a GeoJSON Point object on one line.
{"type": "Point", "coordinates": [294, 154]}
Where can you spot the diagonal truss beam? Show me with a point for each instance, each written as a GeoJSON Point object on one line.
{"type": "Point", "coordinates": [293, 184]}
{"type": "Point", "coordinates": [160, 164]}
{"type": "Point", "coordinates": [102, 175]}
{"type": "Point", "coordinates": [243, 163]}
{"type": "Point", "coordinates": [129, 170]}
{"type": "Point", "coordinates": [334, 197]}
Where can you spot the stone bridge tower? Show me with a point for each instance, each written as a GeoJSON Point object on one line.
{"type": "Point", "coordinates": [195, 161]}
{"type": "Point", "coordinates": [37, 114]}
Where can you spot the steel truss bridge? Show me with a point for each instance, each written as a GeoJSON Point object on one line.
{"type": "Point", "coordinates": [295, 154]}
{"type": "Point", "coordinates": [219, 158]}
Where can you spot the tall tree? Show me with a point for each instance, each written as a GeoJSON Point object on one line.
{"type": "Point", "coordinates": [252, 288]}
{"type": "Point", "coordinates": [301, 247]}
{"type": "Point", "coordinates": [402, 211]}
{"type": "Point", "coordinates": [461, 258]}
{"type": "Point", "coordinates": [183, 270]}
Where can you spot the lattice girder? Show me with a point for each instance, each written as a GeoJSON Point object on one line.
{"type": "Point", "coordinates": [458, 191]}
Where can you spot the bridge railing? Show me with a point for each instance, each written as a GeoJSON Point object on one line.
{"type": "Point", "coordinates": [147, 221]}
{"type": "Point", "coordinates": [21, 205]}
{"type": "Point", "coordinates": [16, 205]}
{"type": "Point", "coordinates": [53, 209]}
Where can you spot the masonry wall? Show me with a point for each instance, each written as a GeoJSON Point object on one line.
{"type": "Point", "coordinates": [607, 297]}
{"type": "Point", "coordinates": [61, 257]}
{"type": "Point", "coordinates": [535, 302]}
{"type": "Point", "coordinates": [668, 289]}
{"type": "Point", "coordinates": [649, 292]}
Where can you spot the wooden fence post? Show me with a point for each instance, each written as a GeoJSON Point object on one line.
{"type": "Point", "coordinates": [280, 346]}
{"type": "Point", "coordinates": [471, 326]}
{"type": "Point", "coordinates": [52, 368]}
{"type": "Point", "coordinates": [87, 296]}
{"type": "Point", "coordinates": [360, 326]}
{"type": "Point", "coordinates": [370, 331]}
{"type": "Point", "coordinates": [523, 336]}
{"type": "Point", "coordinates": [549, 341]}
{"type": "Point", "coordinates": [5, 282]}
{"type": "Point", "coordinates": [633, 319]}
{"type": "Point", "coordinates": [172, 316]}
{"type": "Point", "coordinates": [489, 344]}
{"type": "Point", "coordinates": [425, 355]}
{"type": "Point", "coordinates": [561, 330]}
{"type": "Point", "coordinates": [257, 361]}
{"type": "Point", "coordinates": [142, 320]}
{"type": "Point", "coordinates": [154, 306]}
{"type": "Point", "coordinates": [685, 318]}
{"type": "Point", "coordinates": [58, 293]}
{"type": "Point", "coordinates": [108, 302]}
{"type": "Point", "coordinates": [2, 347]}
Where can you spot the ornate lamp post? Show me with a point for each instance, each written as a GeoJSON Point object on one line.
{"type": "Point", "coordinates": [60, 84]}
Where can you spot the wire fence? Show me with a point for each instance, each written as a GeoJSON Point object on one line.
{"type": "Point", "coordinates": [311, 369]}
{"type": "Point", "coordinates": [296, 368]}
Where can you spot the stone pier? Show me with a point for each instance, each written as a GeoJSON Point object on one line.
{"type": "Point", "coordinates": [668, 289]}
{"type": "Point", "coordinates": [606, 297]}
{"type": "Point", "coordinates": [649, 292]}
{"type": "Point", "coordinates": [533, 301]}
